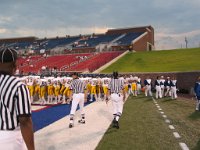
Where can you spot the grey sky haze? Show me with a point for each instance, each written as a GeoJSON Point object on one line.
{"type": "Point", "coordinates": [171, 19]}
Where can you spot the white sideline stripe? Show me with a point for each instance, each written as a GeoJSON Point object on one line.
{"type": "Point", "coordinates": [160, 109]}
{"type": "Point", "coordinates": [176, 135]}
{"type": "Point", "coordinates": [171, 127]}
{"type": "Point", "coordinates": [37, 107]}
{"type": "Point", "coordinates": [167, 120]}
{"type": "Point", "coordinates": [157, 105]}
{"type": "Point", "coordinates": [183, 146]}
{"type": "Point", "coordinates": [162, 112]}
{"type": "Point", "coordinates": [164, 116]}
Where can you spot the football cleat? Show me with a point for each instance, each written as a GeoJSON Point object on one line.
{"type": "Point", "coordinates": [71, 125]}
{"type": "Point", "coordinates": [81, 121]}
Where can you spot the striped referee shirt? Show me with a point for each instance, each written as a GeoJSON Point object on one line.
{"type": "Point", "coordinates": [14, 102]}
{"type": "Point", "coordinates": [116, 85]}
{"type": "Point", "coordinates": [78, 86]}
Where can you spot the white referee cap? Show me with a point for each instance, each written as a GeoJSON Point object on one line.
{"type": "Point", "coordinates": [7, 55]}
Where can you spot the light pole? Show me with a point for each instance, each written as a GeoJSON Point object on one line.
{"type": "Point", "coordinates": [186, 42]}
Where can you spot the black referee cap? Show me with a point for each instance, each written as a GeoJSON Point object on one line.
{"type": "Point", "coordinates": [75, 74]}
{"type": "Point", "coordinates": [115, 74]}
{"type": "Point", "coordinates": [8, 55]}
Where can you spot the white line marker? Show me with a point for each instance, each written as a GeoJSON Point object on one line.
{"type": "Point", "coordinates": [176, 135]}
{"type": "Point", "coordinates": [183, 146]}
{"type": "Point", "coordinates": [167, 120]}
{"type": "Point", "coordinates": [171, 127]}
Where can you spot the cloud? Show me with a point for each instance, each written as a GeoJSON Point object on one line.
{"type": "Point", "coordinates": [165, 40]}
{"type": "Point", "coordinates": [60, 17]}
{"type": "Point", "coordinates": [2, 30]}
{"type": "Point", "coordinates": [4, 19]}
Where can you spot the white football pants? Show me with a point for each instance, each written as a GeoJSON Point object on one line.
{"type": "Point", "coordinates": [78, 99]}
{"type": "Point", "coordinates": [148, 90]}
{"type": "Point", "coordinates": [12, 140]}
{"type": "Point", "coordinates": [139, 87]}
{"type": "Point", "coordinates": [158, 92]}
{"type": "Point", "coordinates": [117, 102]}
{"type": "Point", "coordinates": [173, 93]}
{"type": "Point", "coordinates": [168, 91]}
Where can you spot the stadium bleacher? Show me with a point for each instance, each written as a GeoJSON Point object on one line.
{"type": "Point", "coordinates": [128, 38]}
{"type": "Point", "coordinates": [18, 45]}
{"type": "Point", "coordinates": [76, 41]}
{"type": "Point", "coordinates": [95, 62]}
{"type": "Point", "coordinates": [71, 62]}
{"type": "Point", "coordinates": [52, 43]}
{"type": "Point", "coordinates": [97, 39]}
{"type": "Point", "coordinates": [35, 64]}
{"type": "Point", "coordinates": [77, 53]}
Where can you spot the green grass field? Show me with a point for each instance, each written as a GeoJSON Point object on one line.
{"type": "Point", "coordinates": [143, 128]}
{"type": "Point", "coordinates": [158, 61]}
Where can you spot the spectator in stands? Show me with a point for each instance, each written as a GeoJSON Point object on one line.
{"type": "Point", "coordinates": [43, 67]}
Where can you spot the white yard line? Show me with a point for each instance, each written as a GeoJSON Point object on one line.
{"type": "Point", "coordinates": [183, 146]}
{"type": "Point", "coordinates": [167, 121]}
{"type": "Point", "coordinates": [176, 134]}
{"type": "Point", "coordinates": [171, 127]}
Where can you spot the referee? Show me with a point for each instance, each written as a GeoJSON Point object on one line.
{"type": "Point", "coordinates": [118, 96]}
{"type": "Point", "coordinates": [16, 131]}
{"type": "Point", "coordinates": [79, 91]}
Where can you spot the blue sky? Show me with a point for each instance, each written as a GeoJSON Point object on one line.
{"type": "Point", "coordinates": [171, 19]}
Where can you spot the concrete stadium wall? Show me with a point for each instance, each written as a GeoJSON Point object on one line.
{"type": "Point", "coordinates": [185, 80]}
